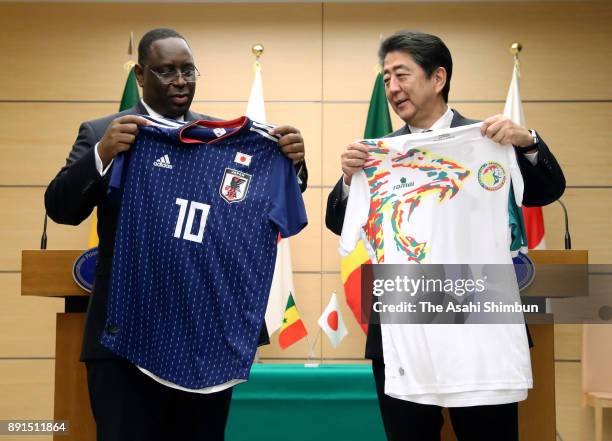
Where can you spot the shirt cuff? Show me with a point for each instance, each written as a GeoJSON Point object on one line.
{"type": "Point", "coordinates": [532, 157]}
{"type": "Point", "coordinates": [298, 172]}
{"type": "Point", "coordinates": [345, 189]}
{"type": "Point", "coordinates": [99, 161]}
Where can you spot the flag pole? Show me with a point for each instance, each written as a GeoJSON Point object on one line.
{"type": "Point", "coordinates": [311, 351]}
{"type": "Point", "coordinates": [130, 63]}
{"type": "Point", "coordinates": [257, 50]}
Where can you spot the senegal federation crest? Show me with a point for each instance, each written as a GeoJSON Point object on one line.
{"type": "Point", "coordinates": [234, 185]}
{"type": "Point", "coordinates": [491, 176]}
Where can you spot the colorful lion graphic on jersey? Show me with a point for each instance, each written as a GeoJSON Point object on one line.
{"type": "Point", "coordinates": [444, 178]}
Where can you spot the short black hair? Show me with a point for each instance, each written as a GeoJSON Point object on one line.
{"type": "Point", "coordinates": [427, 50]}
{"type": "Point", "coordinates": [144, 46]}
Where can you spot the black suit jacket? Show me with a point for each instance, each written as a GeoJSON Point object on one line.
{"type": "Point", "coordinates": [71, 197]}
{"type": "Point", "coordinates": [544, 183]}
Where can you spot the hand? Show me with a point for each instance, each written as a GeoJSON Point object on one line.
{"type": "Point", "coordinates": [291, 142]}
{"type": "Point", "coordinates": [353, 158]}
{"type": "Point", "coordinates": [503, 130]}
{"type": "Point", "coordinates": [119, 136]}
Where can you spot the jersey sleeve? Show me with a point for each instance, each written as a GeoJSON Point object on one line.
{"type": "Point", "coordinates": [515, 175]}
{"type": "Point", "coordinates": [119, 167]}
{"type": "Point", "coordinates": [357, 209]}
{"type": "Point", "coordinates": [287, 209]}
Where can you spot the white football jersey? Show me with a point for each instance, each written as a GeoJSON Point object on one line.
{"type": "Point", "coordinates": [442, 198]}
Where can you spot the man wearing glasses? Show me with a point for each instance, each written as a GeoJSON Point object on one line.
{"type": "Point", "coordinates": [129, 404]}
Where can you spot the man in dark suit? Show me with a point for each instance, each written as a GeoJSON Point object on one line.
{"type": "Point", "coordinates": [417, 73]}
{"type": "Point", "coordinates": [127, 404]}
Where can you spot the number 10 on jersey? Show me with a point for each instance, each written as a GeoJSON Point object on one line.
{"type": "Point", "coordinates": [193, 207]}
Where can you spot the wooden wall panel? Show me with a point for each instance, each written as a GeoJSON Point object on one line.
{"type": "Point", "coordinates": [590, 211]}
{"type": "Point", "coordinates": [21, 226]}
{"type": "Point", "coordinates": [27, 324]}
{"type": "Point", "coordinates": [26, 388]}
{"type": "Point", "coordinates": [568, 342]}
{"type": "Point", "coordinates": [39, 137]}
{"type": "Point", "coordinates": [80, 65]}
{"type": "Point", "coordinates": [331, 256]}
{"type": "Point", "coordinates": [478, 36]}
{"type": "Point", "coordinates": [306, 246]}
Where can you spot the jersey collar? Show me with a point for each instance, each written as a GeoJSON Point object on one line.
{"type": "Point", "coordinates": [238, 123]}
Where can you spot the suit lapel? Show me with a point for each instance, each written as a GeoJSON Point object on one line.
{"type": "Point", "coordinates": [460, 120]}
{"type": "Point", "coordinates": [139, 109]}
{"type": "Point", "coordinates": [190, 116]}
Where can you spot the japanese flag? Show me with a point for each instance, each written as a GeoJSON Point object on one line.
{"type": "Point", "coordinates": [243, 159]}
{"type": "Point", "coordinates": [331, 322]}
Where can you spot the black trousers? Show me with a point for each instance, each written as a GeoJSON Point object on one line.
{"type": "Point", "coordinates": [407, 421]}
{"type": "Point", "coordinates": [130, 406]}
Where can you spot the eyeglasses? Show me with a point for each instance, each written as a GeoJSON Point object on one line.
{"type": "Point", "coordinates": [168, 76]}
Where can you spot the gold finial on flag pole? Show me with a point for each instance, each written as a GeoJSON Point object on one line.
{"type": "Point", "coordinates": [257, 50]}
{"type": "Point", "coordinates": [130, 63]}
{"type": "Point", "coordinates": [515, 49]}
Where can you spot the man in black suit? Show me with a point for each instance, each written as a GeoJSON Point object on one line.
{"type": "Point", "coordinates": [417, 73]}
{"type": "Point", "coordinates": [127, 404]}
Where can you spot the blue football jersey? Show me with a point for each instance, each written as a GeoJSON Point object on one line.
{"type": "Point", "coordinates": [201, 207]}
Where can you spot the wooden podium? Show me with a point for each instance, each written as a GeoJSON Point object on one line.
{"type": "Point", "coordinates": [48, 273]}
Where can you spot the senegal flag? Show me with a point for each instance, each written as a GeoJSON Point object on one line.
{"type": "Point", "coordinates": [292, 329]}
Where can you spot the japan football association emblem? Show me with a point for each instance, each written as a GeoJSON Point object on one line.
{"type": "Point", "coordinates": [234, 185]}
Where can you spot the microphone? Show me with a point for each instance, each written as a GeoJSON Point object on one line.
{"type": "Point", "coordinates": [568, 238]}
{"type": "Point", "coordinates": [43, 239]}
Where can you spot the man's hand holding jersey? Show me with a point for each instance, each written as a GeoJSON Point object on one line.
{"type": "Point", "coordinates": [291, 142]}
{"type": "Point", "coordinates": [122, 131]}
{"type": "Point", "coordinates": [503, 130]}
{"type": "Point", "coordinates": [353, 158]}
{"type": "Point", "coordinates": [119, 137]}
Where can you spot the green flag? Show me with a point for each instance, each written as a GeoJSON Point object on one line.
{"type": "Point", "coordinates": [130, 92]}
{"type": "Point", "coordinates": [129, 99]}
{"type": "Point", "coordinates": [378, 123]}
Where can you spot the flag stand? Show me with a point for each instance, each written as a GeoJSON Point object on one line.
{"type": "Point", "coordinates": [309, 363]}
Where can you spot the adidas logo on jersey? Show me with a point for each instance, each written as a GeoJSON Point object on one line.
{"type": "Point", "coordinates": [163, 162]}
